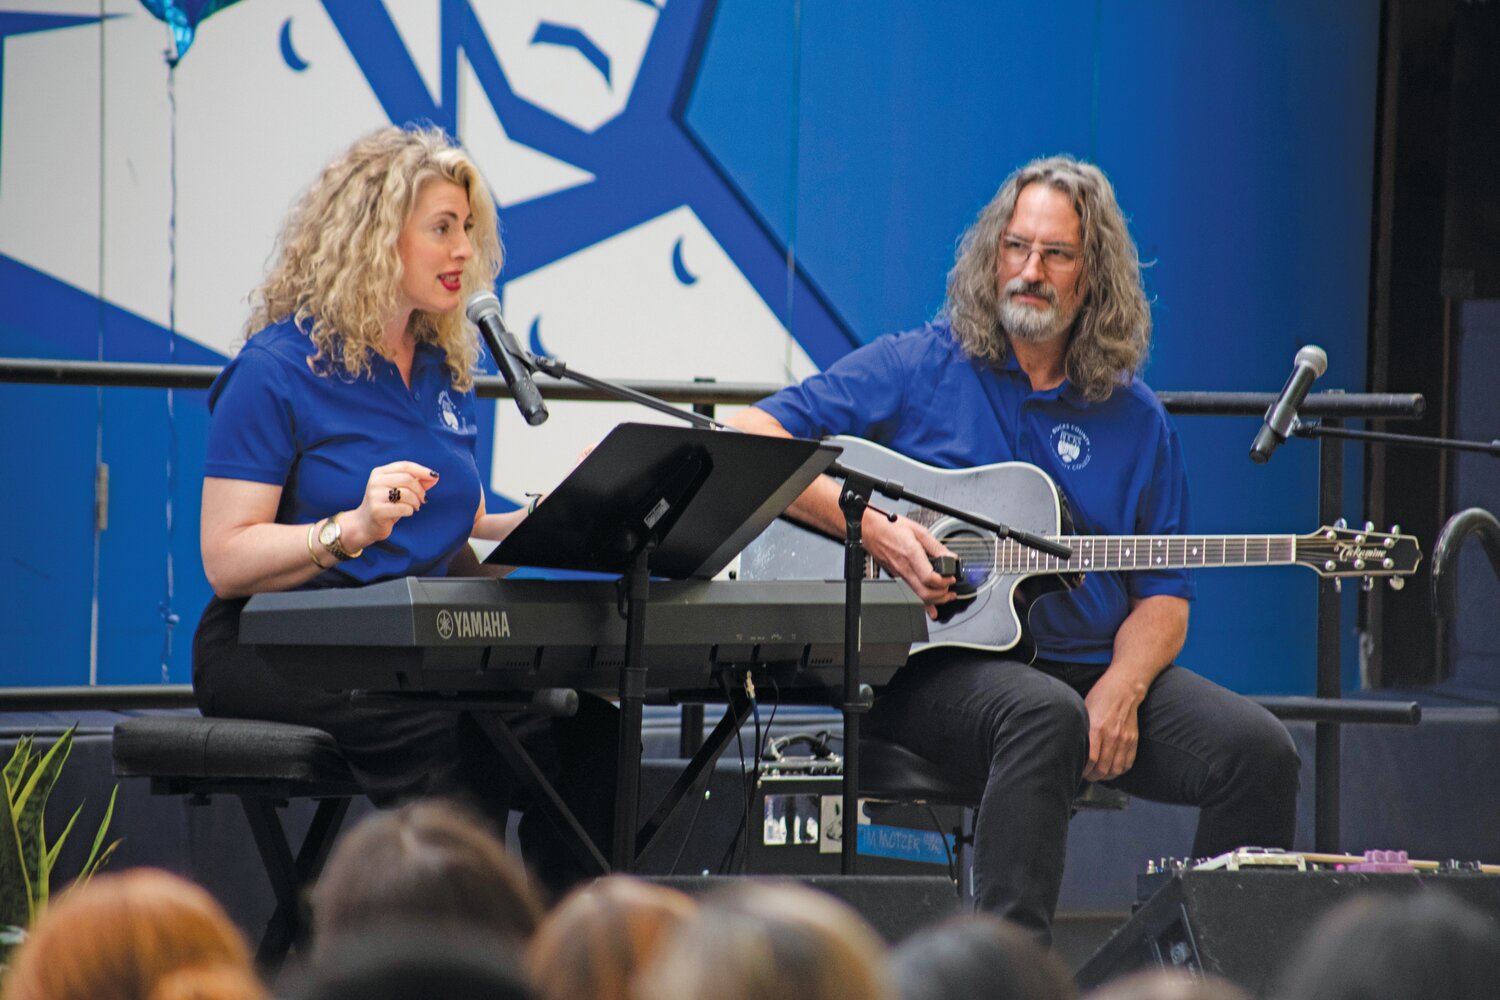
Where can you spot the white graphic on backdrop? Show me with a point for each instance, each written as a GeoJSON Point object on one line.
{"type": "Point", "coordinates": [618, 310]}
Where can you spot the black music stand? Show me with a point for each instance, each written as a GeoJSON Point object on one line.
{"type": "Point", "coordinates": [653, 500]}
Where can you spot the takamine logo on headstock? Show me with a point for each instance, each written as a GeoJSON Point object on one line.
{"type": "Point", "coordinates": [1340, 551]}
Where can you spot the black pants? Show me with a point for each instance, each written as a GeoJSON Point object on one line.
{"type": "Point", "coordinates": [1023, 730]}
{"type": "Point", "coordinates": [398, 754]}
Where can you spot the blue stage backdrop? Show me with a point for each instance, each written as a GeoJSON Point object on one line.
{"type": "Point", "coordinates": [743, 189]}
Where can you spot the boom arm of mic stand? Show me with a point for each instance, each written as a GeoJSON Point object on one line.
{"type": "Point", "coordinates": [896, 491]}
{"type": "Point", "coordinates": [1316, 429]}
{"type": "Point", "coordinates": [558, 369]}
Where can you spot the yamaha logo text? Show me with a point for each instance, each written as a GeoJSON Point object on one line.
{"type": "Point", "coordinates": [472, 624]}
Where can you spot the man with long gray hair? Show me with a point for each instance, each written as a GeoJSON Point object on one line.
{"type": "Point", "coordinates": [1035, 359]}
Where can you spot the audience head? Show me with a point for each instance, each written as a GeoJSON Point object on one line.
{"type": "Point", "coordinates": [1168, 984]}
{"type": "Point", "coordinates": [1426, 944]}
{"type": "Point", "coordinates": [601, 935]}
{"type": "Point", "coordinates": [428, 862]}
{"type": "Point", "coordinates": [759, 940]}
{"type": "Point", "coordinates": [137, 935]}
{"type": "Point", "coordinates": [414, 962]}
{"type": "Point", "coordinates": [978, 956]}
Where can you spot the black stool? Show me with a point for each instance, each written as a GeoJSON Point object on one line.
{"type": "Point", "coordinates": [891, 772]}
{"type": "Point", "coordinates": [264, 765]}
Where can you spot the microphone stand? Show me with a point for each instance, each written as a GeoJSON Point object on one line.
{"type": "Point", "coordinates": [1317, 430]}
{"type": "Point", "coordinates": [854, 498]}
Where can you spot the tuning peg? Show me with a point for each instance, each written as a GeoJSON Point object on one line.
{"type": "Point", "coordinates": [1397, 582]}
{"type": "Point", "coordinates": [1395, 529]}
{"type": "Point", "coordinates": [1341, 524]}
{"type": "Point", "coordinates": [1338, 586]}
{"type": "Point", "coordinates": [1369, 525]}
{"type": "Point", "coordinates": [1367, 583]}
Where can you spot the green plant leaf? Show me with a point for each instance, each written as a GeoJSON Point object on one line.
{"type": "Point", "coordinates": [15, 768]}
{"type": "Point", "coordinates": [92, 869]}
{"type": "Point", "coordinates": [15, 885]}
{"type": "Point", "coordinates": [42, 891]}
{"type": "Point", "coordinates": [56, 847]}
{"type": "Point", "coordinates": [96, 860]}
{"type": "Point", "coordinates": [28, 815]}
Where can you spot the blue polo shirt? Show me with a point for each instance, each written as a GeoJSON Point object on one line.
{"type": "Point", "coordinates": [274, 420]}
{"type": "Point", "coordinates": [1118, 462]}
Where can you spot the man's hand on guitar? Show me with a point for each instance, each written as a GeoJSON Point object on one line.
{"type": "Point", "coordinates": [905, 549]}
{"type": "Point", "coordinates": [1114, 733]}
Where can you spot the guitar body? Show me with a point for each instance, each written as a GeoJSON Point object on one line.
{"type": "Point", "coordinates": [1013, 493]}
{"type": "Point", "coordinates": [1001, 579]}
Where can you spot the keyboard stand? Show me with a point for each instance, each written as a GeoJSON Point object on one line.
{"type": "Point", "coordinates": [664, 501]}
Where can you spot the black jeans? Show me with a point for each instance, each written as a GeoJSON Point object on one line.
{"type": "Point", "coordinates": [1023, 730]}
{"type": "Point", "coordinates": [398, 754]}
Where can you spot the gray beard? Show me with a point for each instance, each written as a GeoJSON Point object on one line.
{"type": "Point", "coordinates": [1031, 326]}
{"type": "Point", "coordinates": [1028, 325]}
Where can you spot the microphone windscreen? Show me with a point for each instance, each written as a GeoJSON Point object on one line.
{"type": "Point", "coordinates": [482, 304]}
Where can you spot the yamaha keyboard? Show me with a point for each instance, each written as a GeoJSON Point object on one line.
{"type": "Point", "coordinates": [486, 635]}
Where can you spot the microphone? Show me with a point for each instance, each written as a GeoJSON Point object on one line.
{"type": "Point", "coordinates": [1310, 363]}
{"type": "Point", "coordinates": [483, 311]}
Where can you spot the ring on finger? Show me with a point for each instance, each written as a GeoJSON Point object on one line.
{"type": "Point", "coordinates": [394, 496]}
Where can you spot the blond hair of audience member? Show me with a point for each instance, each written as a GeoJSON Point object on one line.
{"type": "Point", "coordinates": [1168, 984]}
{"type": "Point", "coordinates": [978, 955]}
{"type": "Point", "coordinates": [142, 934]}
{"type": "Point", "coordinates": [758, 940]}
{"type": "Point", "coordinates": [429, 862]}
{"type": "Point", "coordinates": [596, 940]}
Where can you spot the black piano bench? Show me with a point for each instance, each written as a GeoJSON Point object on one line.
{"type": "Point", "coordinates": [264, 765]}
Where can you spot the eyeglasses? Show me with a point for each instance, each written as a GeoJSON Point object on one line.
{"type": "Point", "coordinates": [1055, 259]}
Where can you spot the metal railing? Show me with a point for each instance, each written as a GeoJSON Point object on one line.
{"type": "Point", "coordinates": [1328, 711]}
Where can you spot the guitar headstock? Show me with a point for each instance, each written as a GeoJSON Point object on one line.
{"type": "Point", "coordinates": [1339, 551]}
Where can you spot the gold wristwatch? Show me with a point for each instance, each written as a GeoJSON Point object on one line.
{"type": "Point", "coordinates": [330, 536]}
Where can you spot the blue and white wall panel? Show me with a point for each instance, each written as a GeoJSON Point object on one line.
{"type": "Point", "coordinates": [743, 189]}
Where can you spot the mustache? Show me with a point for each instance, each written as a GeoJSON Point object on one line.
{"type": "Point", "coordinates": [1042, 290]}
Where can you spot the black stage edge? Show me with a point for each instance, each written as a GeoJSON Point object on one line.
{"type": "Point", "coordinates": [897, 906]}
{"type": "Point", "coordinates": [1247, 925]}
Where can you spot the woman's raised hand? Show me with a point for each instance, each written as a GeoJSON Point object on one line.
{"type": "Point", "coordinates": [393, 491]}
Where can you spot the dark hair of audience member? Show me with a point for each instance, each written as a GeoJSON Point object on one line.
{"type": "Point", "coordinates": [759, 940]}
{"type": "Point", "coordinates": [427, 862]}
{"type": "Point", "coordinates": [1426, 944]}
{"type": "Point", "coordinates": [142, 934]}
{"type": "Point", "coordinates": [978, 956]}
{"type": "Point", "coordinates": [415, 962]}
{"type": "Point", "coordinates": [1168, 984]}
{"type": "Point", "coordinates": [595, 941]}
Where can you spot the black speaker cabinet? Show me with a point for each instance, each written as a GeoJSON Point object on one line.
{"type": "Point", "coordinates": [1246, 925]}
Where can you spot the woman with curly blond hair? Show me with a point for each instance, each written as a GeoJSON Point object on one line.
{"type": "Point", "coordinates": [341, 452]}
{"type": "Point", "coordinates": [137, 935]}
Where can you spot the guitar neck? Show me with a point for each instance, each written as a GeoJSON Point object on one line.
{"type": "Point", "coordinates": [1095, 553]}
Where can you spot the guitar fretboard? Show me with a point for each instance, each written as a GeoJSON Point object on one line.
{"type": "Point", "coordinates": [1094, 553]}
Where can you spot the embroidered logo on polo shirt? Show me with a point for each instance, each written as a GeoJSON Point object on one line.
{"type": "Point", "coordinates": [1071, 445]}
{"type": "Point", "coordinates": [452, 419]}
